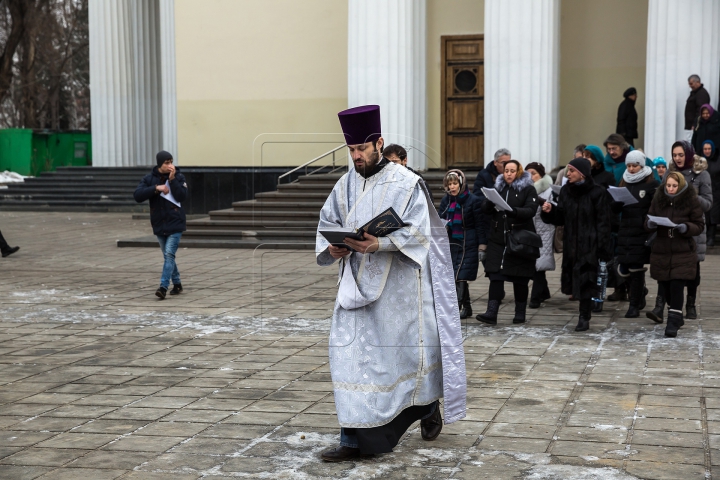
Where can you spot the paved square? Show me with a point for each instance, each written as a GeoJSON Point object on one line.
{"type": "Point", "coordinates": [99, 379]}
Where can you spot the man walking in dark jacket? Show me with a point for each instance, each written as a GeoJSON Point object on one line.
{"type": "Point", "coordinates": [627, 117]}
{"type": "Point", "coordinates": [698, 97]}
{"type": "Point", "coordinates": [165, 188]}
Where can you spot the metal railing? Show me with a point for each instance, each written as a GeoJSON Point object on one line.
{"type": "Point", "coordinates": [305, 165]}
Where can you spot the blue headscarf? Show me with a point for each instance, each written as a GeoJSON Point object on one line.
{"type": "Point", "coordinates": [712, 153]}
{"type": "Point", "coordinates": [655, 163]}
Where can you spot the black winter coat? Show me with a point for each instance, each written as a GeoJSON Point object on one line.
{"type": "Point", "coordinates": [627, 119]}
{"type": "Point", "coordinates": [584, 210]}
{"type": "Point", "coordinates": [485, 178]}
{"type": "Point", "coordinates": [166, 217]}
{"type": "Point", "coordinates": [714, 171]}
{"type": "Point", "coordinates": [602, 177]}
{"type": "Point", "coordinates": [695, 101]}
{"type": "Point", "coordinates": [523, 198]}
{"type": "Point", "coordinates": [631, 248]}
{"type": "Point", "coordinates": [465, 253]}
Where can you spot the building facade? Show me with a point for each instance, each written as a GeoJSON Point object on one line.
{"type": "Point", "coordinates": [259, 82]}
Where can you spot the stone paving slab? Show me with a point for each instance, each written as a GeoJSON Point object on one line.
{"type": "Point", "coordinates": [99, 379]}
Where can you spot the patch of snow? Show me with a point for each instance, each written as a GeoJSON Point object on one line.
{"type": "Point", "coordinates": [554, 472]}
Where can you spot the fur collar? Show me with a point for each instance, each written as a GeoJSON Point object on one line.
{"type": "Point", "coordinates": [681, 200]}
{"type": "Point", "coordinates": [525, 180]}
{"type": "Point", "coordinates": [543, 184]}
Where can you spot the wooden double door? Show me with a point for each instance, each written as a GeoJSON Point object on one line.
{"type": "Point", "coordinates": [462, 101]}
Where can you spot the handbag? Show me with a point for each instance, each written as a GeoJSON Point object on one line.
{"type": "Point", "coordinates": [523, 243]}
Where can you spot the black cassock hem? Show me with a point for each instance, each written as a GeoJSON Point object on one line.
{"type": "Point", "coordinates": [384, 438]}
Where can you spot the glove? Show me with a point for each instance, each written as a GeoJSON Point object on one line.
{"type": "Point", "coordinates": [651, 224]}
{"type": "Point", "coordinates": [482, 254]}
{"type": "Point", "coordinates": [682, 228]}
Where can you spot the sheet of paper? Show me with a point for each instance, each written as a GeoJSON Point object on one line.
{"type": "Point", "coordinates": [664, 221]}
{"type": "Point", "coordinates": [564, 180]}
{"type": "Point", "coordinates": [169, 196]}
{"type": "Point", "coordinates": [493, 195]}
{"type": "Point", "coordinates": [622, 194]}
{"type": "Point", "coordinates": [556, 189]}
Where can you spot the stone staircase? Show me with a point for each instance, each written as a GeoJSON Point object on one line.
{"type": "Point", "coordinates": [68, 189]}
{"type": "Point", "coordinates": [286, 218]}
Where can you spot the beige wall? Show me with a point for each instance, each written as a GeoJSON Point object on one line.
{"type": "Point", "coordinates": [445, 17]}
{"type": "Point", "coordinates": [602, 53]}
{"type": "Point", "coordinates": [252, 67]}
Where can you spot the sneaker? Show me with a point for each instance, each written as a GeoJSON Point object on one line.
{"type": "Point", "coordinates": [161, 292]}
{"type": "Point", "coordinates": [177, 288]}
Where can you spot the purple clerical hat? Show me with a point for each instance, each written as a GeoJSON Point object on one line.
{"type": "Point", "coordinates": [360, 124]}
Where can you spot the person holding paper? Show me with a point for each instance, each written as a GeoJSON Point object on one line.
{"type": "Point", "coordinates": [542, 183]}
{"type": "Point", "coordinates": [466, 226]}
{"type": "Point", "coordinates": [673, 261]}
{"type": "Point", "coordinates": [632, 253]}
{"type": "Point", "coordinates": [395, 337]}
{"type": "Point", "coordinates": [515, 187]}
{"type": "Point", "coordinates": [583, 208]}
{"type": "Point", "coordinates": [696, 175]}
{"type": "Point", "coordinates": [165, 188]}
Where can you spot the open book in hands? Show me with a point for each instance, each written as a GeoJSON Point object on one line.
{"type": "Point", "coordinates": [382, 225]}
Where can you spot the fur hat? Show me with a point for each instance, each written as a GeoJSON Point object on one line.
{"type": "Point", "coordinates": [699, 164]}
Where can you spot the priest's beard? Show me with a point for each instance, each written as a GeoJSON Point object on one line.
{"type": "Point", "coordinates": [367, 169]}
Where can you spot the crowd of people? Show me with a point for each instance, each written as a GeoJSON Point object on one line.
{"type": "Point", "coordinates": [666, 220]}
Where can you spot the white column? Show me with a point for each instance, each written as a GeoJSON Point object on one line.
{"type": "Point", "coordinates": [386, 66]}
{"type": "Point", "coordinates": [683, 39]}
{"type": "Point", "coordinates": [521, 79]}
{"type": "Point", "coordinates": [169, 90]}
{"type": "Point", "coordinates": [127, 87]}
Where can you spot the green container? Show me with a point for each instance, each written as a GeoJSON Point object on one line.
{"type": "Point", "coordinates": [30, 153]}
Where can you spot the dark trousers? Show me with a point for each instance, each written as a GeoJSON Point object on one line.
{"type": "Point", "coordinates": [674, 290]}
{"type": "Point", "coordinates": [693, 285]}
{"type": "Point", "coordinates": [540, 288]}
{"type": "Point", "coordinates": [3, 244]}
{"type": "Point", "coordinates": [520, 289]}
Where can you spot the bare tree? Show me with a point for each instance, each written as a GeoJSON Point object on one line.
{"type": "Point", "coordinates": [49, 85]}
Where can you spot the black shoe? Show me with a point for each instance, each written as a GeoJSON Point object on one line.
{"type": "Point", "coordinates": [341, 454]}
{"type": "Point", "coordinates": [161, 292]}
{"type": "Point", "coordinates": [675, 321]}
{"type": "Point", "coordinates": [656, 315]}
{"type": "Point", "coordinates": [597, 307]}
{"type": "Point", "coordinates": [632, 312]}
{"type": "Point", "coordinates": [519, 312]}
{"type": "Point", "coordinates": [177, 288]}
{"type": "Point", "coordinates": [617, 296]}
{"type": "Point", "coordinates": [9, 251]}
{"type": "Point", "coordinates": [583, 324]}
{"type": "Point", "coordinates": [490, 315]}
{"type": "Point", "coordinates": [430, 427]}
{"type": "Point", "coordinates": [534, 303]}
{"type": "Point", "coordinates": [690, 311]}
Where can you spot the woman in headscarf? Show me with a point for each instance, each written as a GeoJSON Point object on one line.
{"type": "Point", "coordinates": [632, 252]}
{"type": "Point", "coordinates": [673, 260]}
{"type": "Point", "coordinates": [683, 155]}
{"type": "Point", "coordinates": [659, 168]}
{"type": "Point", "coordinates": [599, 174]}
{"type": "Point", "coordinates": [516, 188]}
{"type": "Point", "coordinates": [707, 127]}
{"type": "Point", "coordinates": [709, 151]}
{"type": "Point", "coordinates": [466, 230]}
{"type": "Point", "coordinates": [542, 182]}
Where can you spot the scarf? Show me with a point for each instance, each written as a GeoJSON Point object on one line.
{"type": "Point", "coordinates": [636, 177]}
{"type": "Point", "coordinates": [455, 215]}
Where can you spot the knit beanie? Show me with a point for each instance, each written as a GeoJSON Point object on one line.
{"type": "Point", "coordinates": [582, 165]}
{"type": "Point", "coordinates": [659, 161]}
{"type": "Point", "coordinates": [537, 166]}
{"type": "Point", "coordinates": [161, 156]}
{"type": "Point", "coordinates": [635, 157]}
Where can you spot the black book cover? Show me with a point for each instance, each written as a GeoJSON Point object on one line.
{"type": "Point", "coordinates": [382, 225]}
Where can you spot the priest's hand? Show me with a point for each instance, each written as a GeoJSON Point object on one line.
{"type": "Point", "coordinates": [338, 252]}
{"type": "Point", "coordinates": [369, 245]}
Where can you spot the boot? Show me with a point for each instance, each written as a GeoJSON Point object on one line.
{"type": "Point", "coordinates": [675, 321]}
{"type": "Point", "coordinates": [464, 299]}
{"type": "Point", "coordinates": [620, 294]}
{"type": "Point", "coordinates": [490, 316]}
{"type": "Point", "coordinates": [711, 235]}
{"type": "Point", "coordinates": [519, 312]}
{"type": "Point", "coordinates": [585, 315]}
{"type": "Point", "coordinates": [656, 315]}
{"type": "Point", "coordinates": [637, 285]}
{"type": "Point", "coordinates": [690, 311]}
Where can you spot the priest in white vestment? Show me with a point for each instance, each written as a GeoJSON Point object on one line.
{"type": "Point", "coordinates": [395, 341]}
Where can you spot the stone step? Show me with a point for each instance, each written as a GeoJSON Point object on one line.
{"type": "Point", "coordinates": [249, 243]}
{"type": "Point", "coordinates": [92, 197]}
{"type": "Point", "coordinates": [209, 223]}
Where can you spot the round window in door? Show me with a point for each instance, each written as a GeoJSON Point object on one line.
{"type": "Point", "coordinates": [466, 81]}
